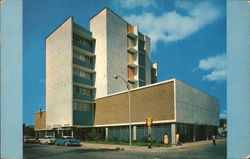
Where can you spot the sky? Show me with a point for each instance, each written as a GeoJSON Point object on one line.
{"type": "Point", "coordinates": [188, 41]}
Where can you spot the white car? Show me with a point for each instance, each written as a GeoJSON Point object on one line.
{"type": "Point", "coordinates": [47, 140]}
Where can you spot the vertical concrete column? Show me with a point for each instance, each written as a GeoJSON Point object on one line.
{"type": "Point", "coordinates": [194, 133]}
{"type": "Point", "coordinates": [134, 132]}
{"type": "Point", "coordinates": [72, 133]}
{"type": "Point", "coordinates": [106, 133]}
{"type": "Point", "coordinates": [173, 132]}
{"type": "Point", "coordinates": [207, 132]}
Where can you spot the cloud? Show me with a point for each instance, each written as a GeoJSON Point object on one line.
{"type": "Point", "coordinates": [131, 4]}
{"type": "Point", "coordinates": [173, 26]}
{"type": "Point", "coordinates": [223, 114]}
{"type": "Point", "coordinates": [217, 67]}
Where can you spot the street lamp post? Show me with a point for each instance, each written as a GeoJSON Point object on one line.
{"type": "Point", "coordinates": [129, 106]}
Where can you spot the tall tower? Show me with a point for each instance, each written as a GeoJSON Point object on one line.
{"type": "Point", "coordinates": [69, 76]}
{"type": "Point", "coordinates": [120, 49]}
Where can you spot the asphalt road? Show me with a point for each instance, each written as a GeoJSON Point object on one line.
{"type": "Point", "coordinates": [36, 151]}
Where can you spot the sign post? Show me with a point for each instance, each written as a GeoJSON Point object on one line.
{"type": "Point", "coordinates": [149, 122]}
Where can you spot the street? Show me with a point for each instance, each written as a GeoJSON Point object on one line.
{"type": "Point", "coordinates": [36, 151]}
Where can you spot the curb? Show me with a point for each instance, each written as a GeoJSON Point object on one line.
{"type": "Point", "coordinates": [192, 146]}
{"type": "Point", "coordinates": [110, 148]}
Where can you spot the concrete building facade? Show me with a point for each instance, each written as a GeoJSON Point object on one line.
{"type": "Point", "coordinates": [174, 106]}
{"type": "Point", "coordinates": [120, 49]}
{"type": "Point", "coordinates": [69, 76]}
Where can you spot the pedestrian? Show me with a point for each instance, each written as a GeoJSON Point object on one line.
{"type": "Point", "coordinates": [177, 137]}
{"type": "Point", "coordinates": [166, 139]}
{"type": "Point", "coordinates": [213, 138]}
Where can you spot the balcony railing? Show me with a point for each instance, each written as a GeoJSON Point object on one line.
{"type": "Point", "coordinates": [84, 47]}
{"type": "Point", "coordinates": [81, 80]}
{"type": "Point", "coordinates": [82, 97]}
{"type": "Point", "coordinates": [82, 63]}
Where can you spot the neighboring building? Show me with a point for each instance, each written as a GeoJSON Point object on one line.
{"type": "Point", "coordinates": [82, 94]}
{"type": "Point", "coordinates": [173, 105]}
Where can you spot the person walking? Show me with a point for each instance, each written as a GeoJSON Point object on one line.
{"type": "Point", "coordinates": [213, 138]}
{"type": "Point", "coordinates": [166, 139]}
{"type": "Point", "coordinates": [177, 137]}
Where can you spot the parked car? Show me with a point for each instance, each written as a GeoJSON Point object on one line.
{"type": "Point", "coordinates": [68, 141]}
{"type": "Point", "coordinates": [29, 140]}
{"type": "Point", "coordinates": [50, 140]}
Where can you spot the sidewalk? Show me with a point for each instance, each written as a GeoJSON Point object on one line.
{"type": "Point", "coordinates": [145, 148]}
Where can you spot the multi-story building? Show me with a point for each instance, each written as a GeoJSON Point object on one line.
{"type": "Point", "coordinates": [70, 76]}
{"type": "Point", "coordinates": [80, 65]}
{"type": "Point", "coordinates": [82, 93]}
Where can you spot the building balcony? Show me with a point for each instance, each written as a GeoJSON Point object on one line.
{"type": "Point", "coordinates": [84, 47]}
{"type": "Point", "coordinates": [81, 80]}
{"type": "Point", "coordinates": [82, 63]}
{"type": "Point", "coordinates": [132, 35]}
{"type": "Point", "coordinates": [82, 97]}
{"type": "Point", "coordinates": [132, 64]}
{"type": "Point", "coordinates": [132, 79]}
{"type": "Point", "coordinates": [132, 49]}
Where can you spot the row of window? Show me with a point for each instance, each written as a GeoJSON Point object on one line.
{"type": "Point", "coordinates": [80, 106]}
{"type": "Point", "coordinates": [82, 57]}
{"type": "Point", "coordinates": [141, 45]}
{"type": "Point", "coordinates": [82, 74]}
{"type": "Point", "coordinates": [82, 40]}
{"type": "Point", "coordinates": [81, 90]}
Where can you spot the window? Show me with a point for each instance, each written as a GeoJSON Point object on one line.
{"type": "Point", "coordinates": [141, 45]}
{"type": "Point", "coordinates": [81, 90]}
{"type": "Point", "coordinates": [82, 74]}
{"type": "Point", "coordinates": [80, 106]}
{"type": "Point", "coordinates": [82, 57]}
{"type": "Point", "coordinates": [82, 41]}
{"type": "Point", "coordinates": [142, 74]}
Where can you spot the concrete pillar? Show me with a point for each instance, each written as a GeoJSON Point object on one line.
{"type": "Point", "coordinates": [72, 133]}
{"type": "Point", "coordinates": [134, 133]}
{"type": "Point", "coordinates": [106, 133]}
{"type": "Point", "coordinates": [194, 133]}
{"type": "Point", "coordinates": [173, 132]}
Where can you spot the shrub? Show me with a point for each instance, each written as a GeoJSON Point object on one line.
{"type": "Point", "coordinates": [113, 139]}
{"type": "Point", "coordinates": [93, 136]}
{"type": "Point", "coordinates": [143, 139]}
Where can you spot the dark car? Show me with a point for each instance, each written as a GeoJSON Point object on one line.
{"type": "Point", "coordinates": [223, 134]}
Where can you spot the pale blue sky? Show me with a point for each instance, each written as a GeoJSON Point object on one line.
{"type": "Point", "coordinates": [188, 40]}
